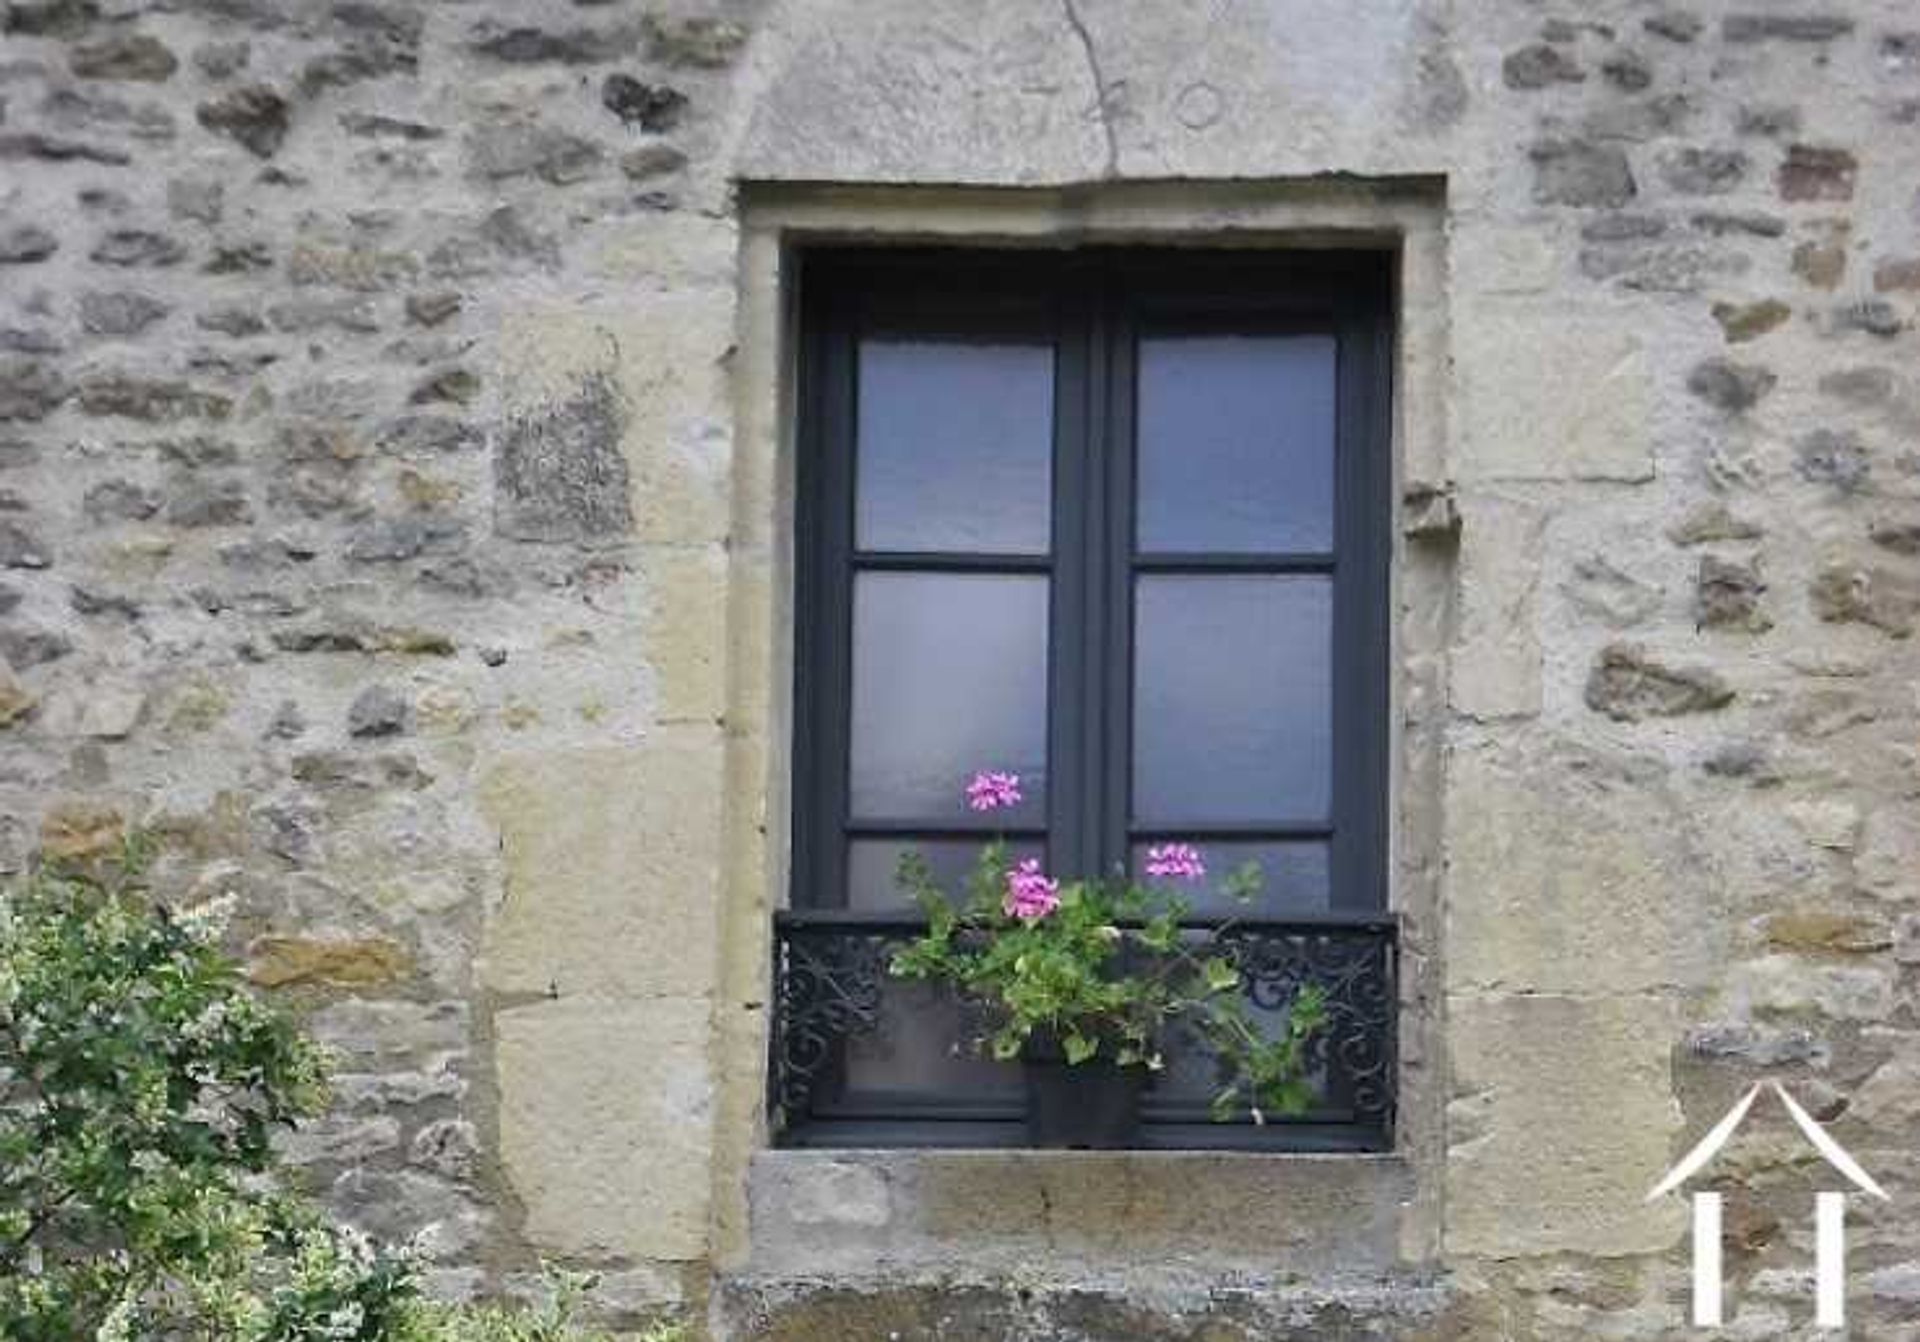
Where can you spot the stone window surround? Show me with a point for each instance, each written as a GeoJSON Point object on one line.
{"type": "Point", "coordinates": [787, 1211]}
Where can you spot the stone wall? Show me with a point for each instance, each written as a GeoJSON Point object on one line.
{"type": "Point", "coordinates": [391, 510]}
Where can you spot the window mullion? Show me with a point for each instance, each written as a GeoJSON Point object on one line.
{"type": "Point", "coordinates": [1066, 725]}
{"type": "Point", "coordinates": [1111, 688]}
{"type": "Point", "coordinates": [1072, 727]}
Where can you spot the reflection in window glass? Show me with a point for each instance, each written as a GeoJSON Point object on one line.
{"type": "Point", "coordinates": [949, 677]}
{"type": "Point", "coordinates": [1232, 699]}
{"type": "Point", "coordinates": [1236, 443]}
{"type": "Point", "coordinates": [954, 448]}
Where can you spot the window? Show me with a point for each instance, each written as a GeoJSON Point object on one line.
{"type": "Point", "coordinates": [1116, 520]}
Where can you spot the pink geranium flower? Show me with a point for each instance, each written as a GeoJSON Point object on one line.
{"type": "Point", "coordinates": [1031, 895]}
{"type": "Point", "coordinates": [994, 791]}
{"type": "Point", "coordinates": [1175, 861]}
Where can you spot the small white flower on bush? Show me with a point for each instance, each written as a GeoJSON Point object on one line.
{"type": "Point", "coordinates": [163, 1216]}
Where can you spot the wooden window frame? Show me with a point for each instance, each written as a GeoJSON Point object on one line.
{"type": "Point", "coordinates": [1092, 304]}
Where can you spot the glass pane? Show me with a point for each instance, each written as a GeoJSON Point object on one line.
{"type": "Point", "coordinates": [871, 864]}
{"type": "Point", "coordinates": [949, 677]}
{"type": "Point", "coordinates": [1294, 876]}
{"type": "Point", "coordinates": [921, 1043]}
{"type": "Point", "coordinates": [955, 447]}
{"type": "Point", "coordinates": [1236, 443]}
{"type": "Point", "coordinates": [1232, 699]}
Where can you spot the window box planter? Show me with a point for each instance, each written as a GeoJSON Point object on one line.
{"type": "Point", "coordinates": [1088, 1106]}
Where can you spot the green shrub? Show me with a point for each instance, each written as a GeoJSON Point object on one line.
{"type": "Point", "coordinates": [341, 1286]}
{"type": "Point", "coordinates": [549, 1322]}
{"type": "Point", "coordinates": [141, 1084]}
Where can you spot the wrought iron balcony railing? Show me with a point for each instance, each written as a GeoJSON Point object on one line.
{"type": "Point", "coordinates": [849, 1045]}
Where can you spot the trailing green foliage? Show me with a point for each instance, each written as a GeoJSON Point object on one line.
{"type": "Point", "coordinates": [1104, 968]}
{"type": "Point", "coordinates": [141, 1084]}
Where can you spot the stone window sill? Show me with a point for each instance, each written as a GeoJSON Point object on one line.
{"type": "Point", "coordinates": [1022, 1213]}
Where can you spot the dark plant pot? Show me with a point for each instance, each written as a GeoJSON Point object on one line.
{"type": "Point", "coordinates": [1094, 1106]}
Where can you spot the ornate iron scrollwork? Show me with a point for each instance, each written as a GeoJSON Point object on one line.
{"type": "Point", "coordinates": [1354, 967]}
{"type": "Point", "coordinates": [827, 988]}
{"type": "Point", "coordinates": [831, 972]}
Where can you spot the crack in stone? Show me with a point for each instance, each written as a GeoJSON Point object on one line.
{"type": "Point", "coordinates": [1079, 27]}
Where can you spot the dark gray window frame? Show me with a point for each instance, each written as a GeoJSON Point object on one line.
{"type": "Point", "coordinates": [1093, 304]}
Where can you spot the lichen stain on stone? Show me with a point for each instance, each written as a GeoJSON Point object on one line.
{"type": "Point", "coordinates": [359, 962]}
{"type": "Point", "coordinates": [558, 472]}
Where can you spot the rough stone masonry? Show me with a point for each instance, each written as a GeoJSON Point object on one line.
{"type": "Point", "coordinates": [379, 525]}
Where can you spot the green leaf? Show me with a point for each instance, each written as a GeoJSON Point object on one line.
{"type": "Point", "coordinates": [1244, 883]}
{"type": "Point", "coordinates": [1160, 934]}
{"type": "Point", "coordinates": [1220, 974]}
{"type": "Point", "coordinates": [1079, 1048]}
